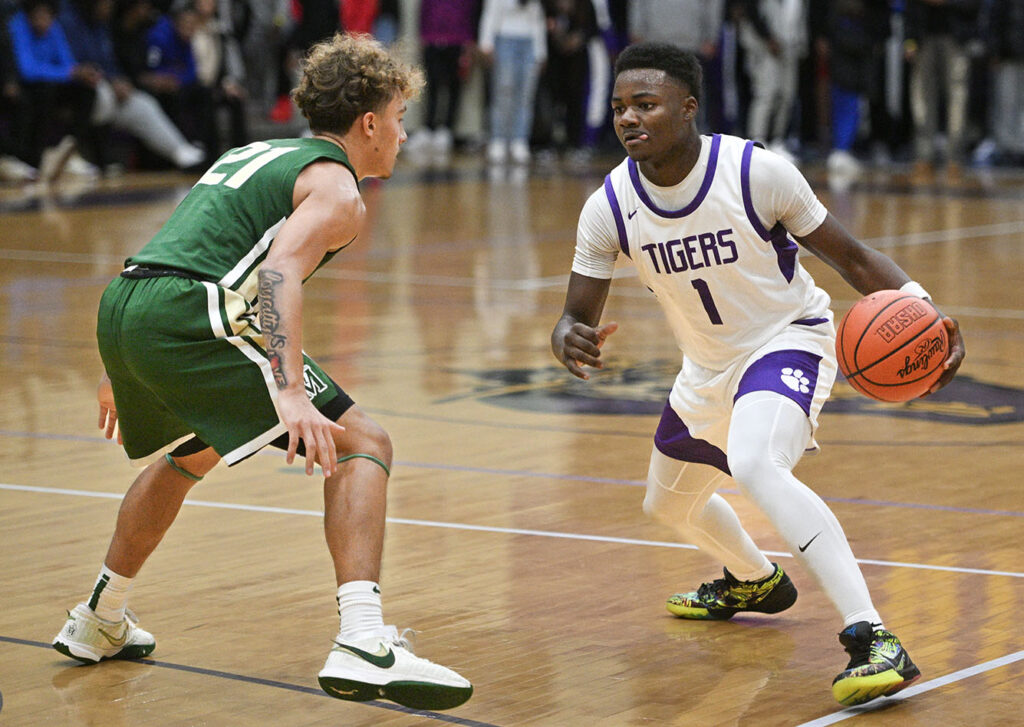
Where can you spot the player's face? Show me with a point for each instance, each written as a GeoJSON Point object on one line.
{"type": "Point", "coordinates": [653, 114]}
{"type": "Point", "coordinates": [389, 136]}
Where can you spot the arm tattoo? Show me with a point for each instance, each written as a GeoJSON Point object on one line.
{"type": "Point", "coordinates": [270, 321]}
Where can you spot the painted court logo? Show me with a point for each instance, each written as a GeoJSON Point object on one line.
{"type": "Point", "coordinates": [640, 389]}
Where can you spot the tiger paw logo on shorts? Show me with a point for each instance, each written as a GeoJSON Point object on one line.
{"type": "Point", "coordinates": [795, 379]}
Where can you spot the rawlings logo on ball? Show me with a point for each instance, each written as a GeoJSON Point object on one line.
{"type": "Point", "coordinates": [923, 353]}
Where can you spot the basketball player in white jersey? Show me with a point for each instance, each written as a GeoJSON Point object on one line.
{"type": "Point", "coordinates": [709, 222]}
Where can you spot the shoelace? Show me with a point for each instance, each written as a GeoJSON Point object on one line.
{"type": "Point", "coordinates": [715, 589]}
{"type": "Point", "coordinates": [406, 639]}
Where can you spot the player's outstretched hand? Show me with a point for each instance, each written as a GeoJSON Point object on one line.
{"type": "Point", "coordinates": [108, 411]}
{"type": "Point", "coordinates": [304, 421]}
{"type": "Point", "coordinates": [581, 346]}
{"type": "Point", "coordinates": [956, 354]}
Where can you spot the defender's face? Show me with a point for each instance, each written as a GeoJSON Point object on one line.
{"type": "Point", "coordinates": [652, 112]}
{"type": "Point", "coordinates": [390, 135]}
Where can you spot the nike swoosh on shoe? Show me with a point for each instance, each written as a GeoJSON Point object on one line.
{"type": "Point", "coordinates": [116, 640]}
{"type": "Point", "coordinates": [381, 660]}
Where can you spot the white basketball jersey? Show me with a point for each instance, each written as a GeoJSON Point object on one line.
{"type": "Point", "coordinates": [726, 283]}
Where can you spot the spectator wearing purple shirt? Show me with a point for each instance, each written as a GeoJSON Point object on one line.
{"type": "Point", "coordinates": [448, 36]}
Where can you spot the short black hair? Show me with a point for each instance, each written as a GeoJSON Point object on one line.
{"type": "Point", "coordinates": [673, 60]}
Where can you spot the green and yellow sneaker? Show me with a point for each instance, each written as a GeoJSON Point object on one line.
{"type": "Point", "coordinates": [879, 665]}
{"type": "Point", "coordinates": [725, 597]}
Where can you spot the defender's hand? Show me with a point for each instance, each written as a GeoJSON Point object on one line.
{"type": "Point", "coordinates": [581, 346]}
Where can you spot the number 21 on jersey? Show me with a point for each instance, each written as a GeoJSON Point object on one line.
{"type": "Point", "coordinates": [260, 152]}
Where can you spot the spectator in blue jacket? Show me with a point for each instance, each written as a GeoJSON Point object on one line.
{"type": "Point", "coordinates": [172, 78]}
{"type": "Point", "coordinates": [12, 168]}
{"type": "Point", "coordinates": [59, 92]}
{"type": "Point", "coordinates": [87, 25]}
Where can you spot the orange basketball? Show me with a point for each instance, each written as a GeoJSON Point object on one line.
{"type": "Point", "coordinates": [891, 346]}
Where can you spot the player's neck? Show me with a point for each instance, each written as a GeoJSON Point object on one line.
{"type": "Point", "coordinates": [349, 146]}
{"type": "Point", "coordinates": [674, 166]}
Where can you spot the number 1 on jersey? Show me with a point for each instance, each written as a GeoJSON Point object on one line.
{"type": "Point", "coordinates": [705, 297]}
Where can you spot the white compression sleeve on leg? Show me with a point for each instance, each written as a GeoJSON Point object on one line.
{"type": "Point", "coordinates": [767, 437]}
{"type": "Point", "coordinates": [682, 496]}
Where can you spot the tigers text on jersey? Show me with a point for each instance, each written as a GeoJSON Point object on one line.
{"type": "Point", "coordinates": [721, 262]}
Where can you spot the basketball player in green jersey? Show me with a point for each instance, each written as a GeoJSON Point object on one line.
{"type": "Point", "coordinates": [200, 337]}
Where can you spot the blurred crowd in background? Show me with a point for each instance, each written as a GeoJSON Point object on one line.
{"type": "Point", "coordinates": [93, 87]}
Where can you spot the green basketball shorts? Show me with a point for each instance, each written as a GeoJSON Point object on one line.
{"type": "Point", "coordinates": [185, 357]}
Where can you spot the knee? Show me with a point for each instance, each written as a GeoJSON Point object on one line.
{"type": "Point", "coordinates": [753, 468]}
{"type": "Point", "coordinates": [370, 438]}
{"type": "Point", "coordinates": [666, 506]}
{"type": "Point", "coordinates": [745, 465]}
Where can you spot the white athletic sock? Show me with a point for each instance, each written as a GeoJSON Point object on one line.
{"type": "Point", "coordinates": [766, 439]}
{"type": "Point", "coordinates": [110, 594]}
{"type": "Point", "coordinates": [360, 610]}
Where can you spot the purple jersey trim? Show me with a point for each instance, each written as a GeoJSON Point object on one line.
{"type": "Point", "coordinates": [785, 248]}
{"type": "Point", "coordinates": [620, 225]}
{"type": "Point", "coordinates": [792, 373]}
{"type": "Point", "coordinates": [810, 321]}
{"type": "Point", "coordinates": [709, 176]}
{"type": "Point", "coordinates": [673, 440]}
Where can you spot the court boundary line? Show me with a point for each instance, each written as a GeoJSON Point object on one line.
{"type": "Point", "coordinates": [494, 529]}
{"type": "Point", "coordinates": [942, 681]}
{"type": "Point", "coordinates": [263, 682]}
{"type": "Point", "coordinates": [603, 480]}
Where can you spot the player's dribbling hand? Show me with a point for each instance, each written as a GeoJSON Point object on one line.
{"type": "Point", "coordinates": [108, 411]}
{"type": "Point", "coordinates": [582, 347]}
{"type": "Point", "coordinates": [957, 351]}
{"type": "Point", "coordinates": [305, 422]}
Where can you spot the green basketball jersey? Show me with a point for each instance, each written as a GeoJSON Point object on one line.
{"type": "Point", "coordinates": [221, 232]}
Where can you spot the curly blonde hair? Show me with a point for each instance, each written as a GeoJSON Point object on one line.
{"type": "Point", "coordinates": [347, 76]}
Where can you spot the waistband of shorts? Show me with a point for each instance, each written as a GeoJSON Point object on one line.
{"type": "Point", "coordinates": [138, 271]}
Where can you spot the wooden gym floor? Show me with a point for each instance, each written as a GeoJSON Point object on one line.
{"type": "Point", "coordinates": [515, 544]}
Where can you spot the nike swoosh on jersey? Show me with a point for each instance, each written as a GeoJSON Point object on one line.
{"type": "Point", "coordinates": [632, 214]}
{"type": "Point", "coordinates": [383, 658]}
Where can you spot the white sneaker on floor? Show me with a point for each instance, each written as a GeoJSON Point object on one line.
{"type": "Point", "coordinates": [88, 638]}
{"type": "Point", "coordinates": [496, 151]}
{"type": "Point", "coordinates": [13, 169]}
{"type": "Point", "coordinates": [187, 156]}
{"type": "Point", "coordinates": [79, 167]}
{"type": "Point", "coordinates": [443, 140]}
{"type": "Point", "coordinates": [520, 151]}
{"type": "Point", "coordinates": [384, 667]}
{"type": "Point", "coordinates": [419, 141]}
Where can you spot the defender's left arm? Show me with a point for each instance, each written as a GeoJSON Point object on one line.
{"type": "Point", "coordinates": [869, 270]}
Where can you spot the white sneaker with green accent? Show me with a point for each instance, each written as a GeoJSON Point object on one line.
{"type": "Point", "coordinates": [384, 667]}
{"type": "Point", "coordinates": [90, 639]}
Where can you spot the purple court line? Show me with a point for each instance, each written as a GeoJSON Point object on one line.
{"type": "Point", "coordinates": [269, 683]}
{"type": "Point", "coordinates": [563, 477]}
